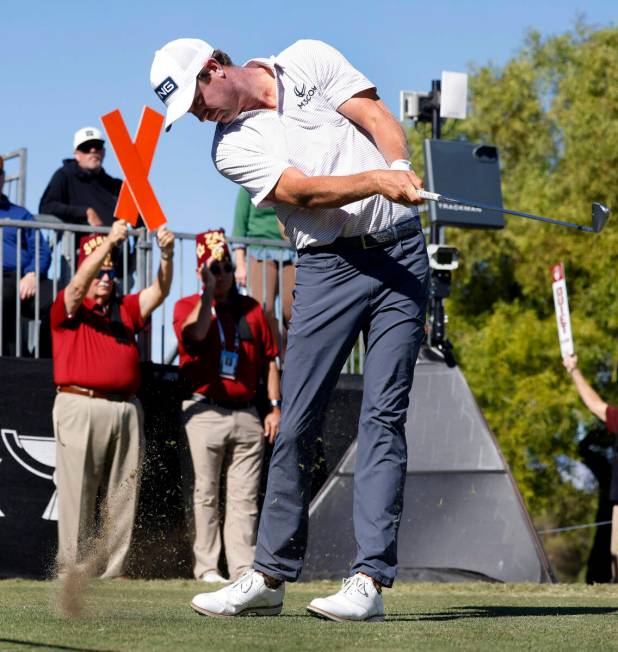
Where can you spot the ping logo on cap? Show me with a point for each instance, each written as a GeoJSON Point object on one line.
{"type": "Point", "coordinates": [89, 133]}
{"type": "Point", "coordinates": [165, 89]}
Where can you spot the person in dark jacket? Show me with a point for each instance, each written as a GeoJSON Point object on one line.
{"type": "Point", "coordinates": [81, 192]}
{"type": "Point", "coordinates": [19, 276]}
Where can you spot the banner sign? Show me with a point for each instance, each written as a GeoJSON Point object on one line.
{"type": "Point", "coordinates": [563, 316]}
{"type": "Point", "coordinates": [28, 508]}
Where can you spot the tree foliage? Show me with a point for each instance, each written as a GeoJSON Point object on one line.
{"type": "Point", "coordinates": [552, 111]}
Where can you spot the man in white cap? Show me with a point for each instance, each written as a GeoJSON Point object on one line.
{"type": "Point", "coordinates": [81, 192]}
{"type": "Point", "coordinates": [306, 132]}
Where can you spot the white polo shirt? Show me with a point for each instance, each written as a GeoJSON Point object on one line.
{"type": "Point", "coordinates": [307, 132]}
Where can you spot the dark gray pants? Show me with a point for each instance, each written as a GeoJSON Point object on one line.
{"type": "Point", "coordinates": [381, 292]}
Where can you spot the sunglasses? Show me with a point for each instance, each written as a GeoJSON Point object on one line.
{"type": "Point", "coordinates": [216, 268]}
{"type": "Point", "coordinates": [111, 274]}
{"type": "Point", "coordinates": [90, 144]}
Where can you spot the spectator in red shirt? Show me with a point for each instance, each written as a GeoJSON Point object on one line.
{"type": "Point", "coordinates": [609, 415]}
{"type": "Point", "coordinates": [98, 421]}
{"type": "Point", "coordinates": [226, 350]}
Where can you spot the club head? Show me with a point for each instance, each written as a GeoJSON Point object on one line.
{"type": "Point", "coordinates": [600, 215]}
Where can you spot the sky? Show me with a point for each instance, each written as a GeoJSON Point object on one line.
{"type": "Point", "coordinates": [66, 63]}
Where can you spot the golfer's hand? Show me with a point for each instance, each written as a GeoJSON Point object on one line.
{"type": "Point", "coordinates": [208, 279]}
{"type": "Point", "coordinates": [27, 286]}
{"type": "Point", "coordinates": [165, 240]}
{"type": "Point", "coordinates": [570, 363]}
{"type": "Point", "coordinates": [119, 232]}
{"type": "Point", "coordinates": [271, 424]}
{"type": "Point", "coordinates": [399, 186]}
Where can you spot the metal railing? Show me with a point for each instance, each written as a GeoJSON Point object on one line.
{"type": "Point", "coordinates": [15, 180]}
{"type": "Point", "coordinates": [138, 258]}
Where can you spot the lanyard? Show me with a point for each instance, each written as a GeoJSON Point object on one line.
{"type": "Point", "coordinates": [222, 334]}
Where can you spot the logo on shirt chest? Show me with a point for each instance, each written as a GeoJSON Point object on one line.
{"type": "Point", "coordinates": [306, 95]}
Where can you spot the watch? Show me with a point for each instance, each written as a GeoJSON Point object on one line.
{"type": "Point", "coordinates": [275, 402]}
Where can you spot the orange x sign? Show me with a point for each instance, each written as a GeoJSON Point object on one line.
{"type": "Point", "coordinates": [135, 159]}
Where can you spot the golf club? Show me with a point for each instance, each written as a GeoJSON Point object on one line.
{"type": "Point", "coordinates": [600, 212]}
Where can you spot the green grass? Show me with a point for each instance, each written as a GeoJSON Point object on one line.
{"type": "Point", "coordinates": [136, 616]}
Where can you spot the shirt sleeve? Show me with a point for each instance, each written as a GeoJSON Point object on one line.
{"type": "Point", "coordinates": [252, 157]}
{"type": "Point", "coordinates": [131, 304]}
{"type": "Point", "coordinates": [58, 315]}
{"type": "Point", "coordinates": [181, 310]}
{"type": "Point", "coordinates": [611, 419]}
{"type": "Point", "coordinates": [28, 256]}
{"type": "Point", "coordinates": [336, 76]}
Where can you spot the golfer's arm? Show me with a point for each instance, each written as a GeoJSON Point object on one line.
{"type": "Point", "coordinates": [368, 111]}
{"type": "Point", "coordinates": [591, 399]}
{"type": "Point", "coordinates": [297, 189]}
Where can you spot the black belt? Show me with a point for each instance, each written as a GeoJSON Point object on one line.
{"type": "Point", "coordinates": [226, 405]}
{"type": "Point", "coordinates": [369, 240]}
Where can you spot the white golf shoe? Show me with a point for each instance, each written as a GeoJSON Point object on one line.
{"type": "Point", "coordinates": [358, 599]}
{"type": "Point", "coordinates": [247, 596]}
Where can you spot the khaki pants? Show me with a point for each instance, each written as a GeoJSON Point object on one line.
{"type": "Point", "coordinates": [230, 442]}
{"type": "Point", "coordinates": [99, 445]}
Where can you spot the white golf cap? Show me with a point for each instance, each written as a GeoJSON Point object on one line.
{"type": "Point", "coordinates": [174, 72]}
{"type": "Point", "coordinates": [87, 133]}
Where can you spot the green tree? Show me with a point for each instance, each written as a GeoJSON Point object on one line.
{"type": "Point", "coordinates": [553, 113]}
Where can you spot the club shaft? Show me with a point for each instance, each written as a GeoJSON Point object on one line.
{"type": "Point", "coordinates": [434, 196]}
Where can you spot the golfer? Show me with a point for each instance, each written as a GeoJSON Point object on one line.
{"type": "Point", "coordinates": [306, 132]}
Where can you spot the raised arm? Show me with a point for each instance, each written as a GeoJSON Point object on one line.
{"type": "Point", "coordinates": [591, 399]}
{"type": "Point", "coordinates": [153, 296]}
{"type": "Point", "coordinates": [79, 285]}
{"type": "Point", "coordinates": [195, 327]}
